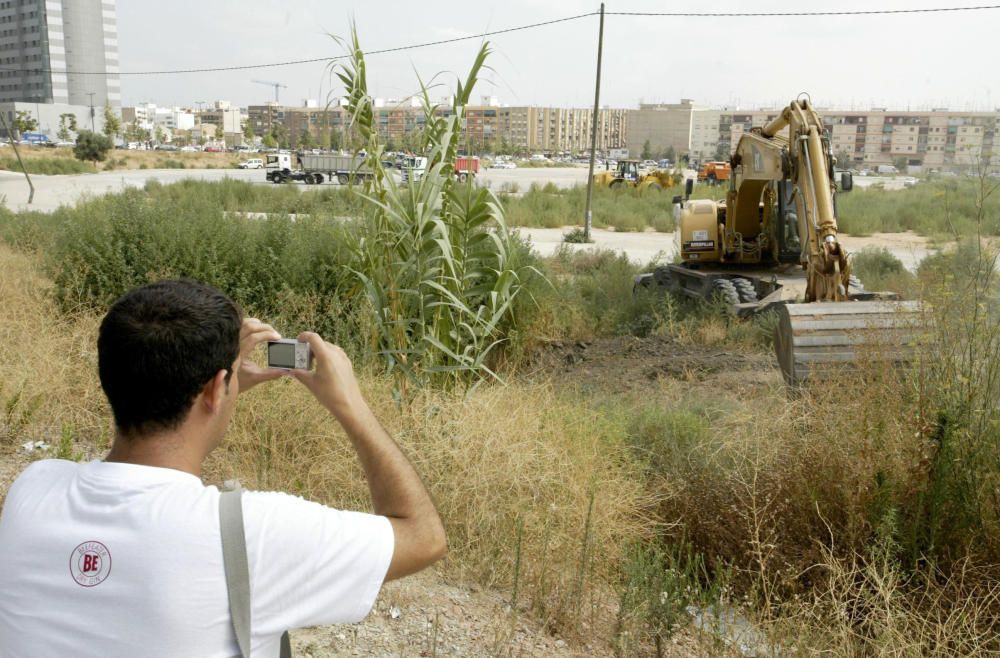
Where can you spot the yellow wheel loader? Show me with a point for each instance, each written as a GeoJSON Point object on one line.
{"type": "Point", "coordinates": [773, 240]}
{"type": "Point", "coordinates": [628, 174]}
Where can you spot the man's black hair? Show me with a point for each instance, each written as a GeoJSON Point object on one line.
{"type": "Point", "coordinates": [159, 345]}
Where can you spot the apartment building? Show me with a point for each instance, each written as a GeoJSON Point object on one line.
{"type": "Point", "coordinates": [662, 125]}
{"type": "Point", "coordinates": [59, 51]}
{"type": "Point", "coordinates": [935, 138]}
{"type": "Point", "coordinates": [485, 128]}
{"type": "Point", "coordinates": [58, 57]}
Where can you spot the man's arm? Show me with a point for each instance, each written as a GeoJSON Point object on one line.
{"type": "Point", "coordinates": [396, 490]}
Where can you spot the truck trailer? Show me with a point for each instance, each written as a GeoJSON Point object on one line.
{"type": "Point", "coordinates": [313, 169]}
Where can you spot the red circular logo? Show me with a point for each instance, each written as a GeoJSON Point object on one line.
{"type": "Point", "coordinates": [90, 563]}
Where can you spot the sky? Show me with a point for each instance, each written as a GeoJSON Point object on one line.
{"type": "Point", "coordinates": [915, 61]}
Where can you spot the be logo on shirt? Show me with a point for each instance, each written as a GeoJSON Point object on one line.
{"type": "Point", "coordinates": [90, 563]}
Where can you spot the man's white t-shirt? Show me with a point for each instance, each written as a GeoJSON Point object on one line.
{"type": "Point", "coordinates": [109, 559]}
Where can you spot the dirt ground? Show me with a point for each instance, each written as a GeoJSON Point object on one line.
{"type": "Point", "coordinates": [626, 364]}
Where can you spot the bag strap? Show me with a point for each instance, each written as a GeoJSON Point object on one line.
{"type": "Point", "coordinates": [234, 558]}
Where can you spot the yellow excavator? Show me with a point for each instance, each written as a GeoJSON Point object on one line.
{"type": "Point", "coordinates": [773, 241]}
{"type": "Point", "coordinates": [627, 173]}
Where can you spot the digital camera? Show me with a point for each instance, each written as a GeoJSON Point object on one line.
{"type": "Point", "coordinates": [289, 354]}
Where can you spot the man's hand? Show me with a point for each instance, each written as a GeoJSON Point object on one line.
{"type": "Point", "coordinates": [333, 382]}
{"type": "Point", "coordinates": [253, 333]}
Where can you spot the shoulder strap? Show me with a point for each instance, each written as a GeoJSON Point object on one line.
{"type": "Point", "coordinates": [234, 557]}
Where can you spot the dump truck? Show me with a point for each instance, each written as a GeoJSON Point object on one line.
{"type": "Point", "coordinates": [714, 172]}
{"type": "Point", "coordinates": [772, 244]}
{"type": "Point", "coordinates": [313, 169]}
{"type": "Point", "coordinates": [416, 166]}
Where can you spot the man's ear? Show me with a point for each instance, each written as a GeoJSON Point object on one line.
{"type": "Point", "coordinates": [215, 391]}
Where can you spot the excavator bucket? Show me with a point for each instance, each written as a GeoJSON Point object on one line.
{"type": "Point", "coordinates": [819, 338]}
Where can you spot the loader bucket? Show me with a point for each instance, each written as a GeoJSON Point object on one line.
{"type": "Point", "coordinates": [820, 338]}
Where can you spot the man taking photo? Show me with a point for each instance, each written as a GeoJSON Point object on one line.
{"type": "Point", "coordinates": [123, 557]}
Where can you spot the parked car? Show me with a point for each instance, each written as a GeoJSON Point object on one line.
{"type": "Point", "coordinates": [189, 149]}
{"type": "Point", "coordinates": [252, 163]}
{"type": "Point", "coordinates": [504, 165]}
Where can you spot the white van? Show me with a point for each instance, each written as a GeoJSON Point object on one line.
{"type": "Point", "coordinates": [252, 163]}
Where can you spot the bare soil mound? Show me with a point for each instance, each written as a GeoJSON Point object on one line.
{"type": "Point", "coordinates": [627, 363]}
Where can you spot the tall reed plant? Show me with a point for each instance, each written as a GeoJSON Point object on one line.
{"type": "Point", "coordinates": [434, 257]}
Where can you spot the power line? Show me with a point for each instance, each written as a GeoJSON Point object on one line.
{"type": "Point", "coordinates": [316, 60]}
{"type": "Point", "coordinates": [440, 42]}
{"type": "Point", "coordinates": [744, 14]}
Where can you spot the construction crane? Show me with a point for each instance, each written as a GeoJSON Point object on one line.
{"type": "Point", "coordinates": [276, 86]}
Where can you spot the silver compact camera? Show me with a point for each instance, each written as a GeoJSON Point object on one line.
{"type": "Point", "coordinates": [289, 354]}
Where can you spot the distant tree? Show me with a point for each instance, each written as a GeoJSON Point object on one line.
{"type": "Point", "coordinates": [306, 140]}
{"type": "Point", "coordinates": [844, 159]}
{"type": "Point", "coordinates": [670, 154]}
{"type": "Point", "coordinates": [24, 123]}
{"type": "Point", "coordinates": [647, 150]}
{"type": "Point", "coordinates": [159, 134]}
{"type": "Point", "coordinates": [92, 146]}
{"type": "Point", "coordinates": [131, 132]}
{"type": "Point", "coordinates": [721, 152]}
{"type": "Point", "coordinates": [280, 135]}
{"type": "Point", "coordinates": [67, 126]}
{"type": "Point", "coordinates": [112, 124]}
{"type": "Point", "coordinates": [248, 132]}
{"type": "Point", "coordinates": [269, 141]}
{"type": "Point", "coordinates": [220, 134]}
{"type": "Point", "coordinates": [900, 163]}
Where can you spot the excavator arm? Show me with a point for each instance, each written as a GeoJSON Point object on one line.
{"type": "Point", "coordinates": [824, 259]}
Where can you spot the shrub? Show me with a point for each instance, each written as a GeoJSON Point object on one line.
{"type": "Point", "coordinates": [934, 208]}
{"type": "Point", "coordinates": [92, 146]}
{"type": "Point", "coordinates": [624, 210]}
{"type": "Point", "coordinates": [878, 269]}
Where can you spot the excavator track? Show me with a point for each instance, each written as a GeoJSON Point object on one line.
{"type": "Point", "coordinates": [820, 338]}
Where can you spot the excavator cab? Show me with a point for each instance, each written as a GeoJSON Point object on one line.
{"type": "Point", "coordinates": [628, 170]}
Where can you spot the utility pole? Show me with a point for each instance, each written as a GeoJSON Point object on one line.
{"type": "Point", "coordinates": [91, 94]}
{"type": "Point", "coordinates": [593, 129]}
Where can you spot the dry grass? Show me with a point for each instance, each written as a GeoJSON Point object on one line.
{"type": "Point", "coordinates": [804, 500]}
{"type": "Point", "coordinates": [124, 159]}
{"type": "Point", "coordinates": [867, 607]}
{"type": "Point", "coordinates": [48, 363]}
{"type": "Point", "coordinates": [513, 470]}
{"type": "Point", "coordinates": [500, 463]}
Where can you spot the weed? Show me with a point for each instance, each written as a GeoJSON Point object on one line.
{"type": "Point", "coordinates": [577, 236]}
{"type": "Point", "coordinates": [65, 449]}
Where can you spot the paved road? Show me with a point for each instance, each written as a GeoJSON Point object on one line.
{"type": "Point", "coordinates": [647, 246]}
{"type": "Point", "coordinates": [54, 191]}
